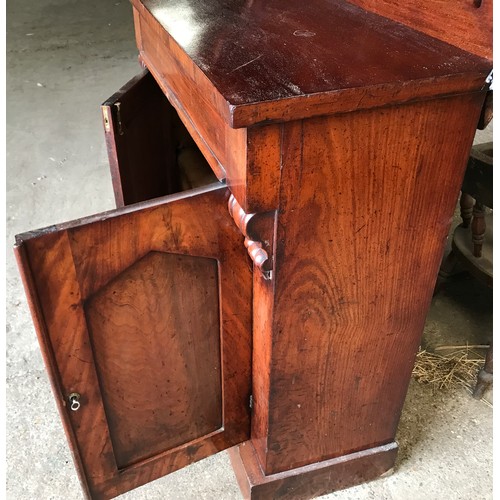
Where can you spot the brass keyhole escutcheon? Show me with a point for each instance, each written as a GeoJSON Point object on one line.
{"type": "Point", "coordinates": [74, 401]}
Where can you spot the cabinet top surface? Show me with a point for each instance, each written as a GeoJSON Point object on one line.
{"type": "Point", "coordinates": [265, 50]}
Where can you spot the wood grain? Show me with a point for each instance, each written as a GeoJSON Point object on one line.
{"type": "Point", "coordinates": [258, 230]}
{"type": "Point", "coordinates": [255, 62]}
{"type": "Point", "coordinates": [461, 23]}
{"type": "Point", "coordinates": [50, 362]}
{"type": "Point", "coordinates": [150, 151]}
{"type": "Point", "coordinates": [263, 313]}
{"type": "Point", "coordinates": [366, 202]}
{"type": "Point", "coordinates": [68, 264]}
{"type": "Point", "coordinates": [164, 388]}
{"type": "Point", "coordinates": [139, 132]}
{"type": "Point", "coordinates": [205, 114]}
{"type": "Point", "coordinates": [263, 168]}
{"type": "Point", "coordinates": [312, 480]}
{"type": "Point", "coordinates": [343, 136]}
{"type": "Point", "coordinates": [192, 95]}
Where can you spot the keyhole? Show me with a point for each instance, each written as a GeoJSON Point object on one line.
{"type": "Point", "coordinates": [74, 400]}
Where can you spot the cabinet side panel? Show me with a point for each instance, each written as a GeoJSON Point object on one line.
{"type": "Point", "coordinates": [366, 203]}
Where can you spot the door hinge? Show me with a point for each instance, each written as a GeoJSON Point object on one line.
{"type": "Point", "coordinates": [250, 401]}
{"type": "Point", "coordinates": [489, 80]}
{"type": "Point", "coordinates": [119, 117]}
{"type": "Point", "coordinates": [105, 117]}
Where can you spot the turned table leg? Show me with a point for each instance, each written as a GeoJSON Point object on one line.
{"type": "Point", "coordinates": [466, 208]}
{"type": "Point", "coordinates": [485, 376]}
{"type": "Point", "coordinates": [478, 228]}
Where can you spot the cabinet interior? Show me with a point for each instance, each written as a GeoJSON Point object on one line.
{"type": "Point", "coordinates": [151, 152]}
{"type": "Point", "coordinates": [190, 168]}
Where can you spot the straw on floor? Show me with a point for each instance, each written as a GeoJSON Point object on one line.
{"type": "Point", "coordinates": [450, 366]}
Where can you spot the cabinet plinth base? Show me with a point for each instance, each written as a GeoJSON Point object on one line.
{"type": "Point", "coordinates": [312, 480]}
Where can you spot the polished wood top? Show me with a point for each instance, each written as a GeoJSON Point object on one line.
{"type": "Point", "coordinates": [266, 50]}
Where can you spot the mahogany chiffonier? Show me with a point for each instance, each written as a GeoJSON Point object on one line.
{"type": "Point", "coordinates": [285, 173]}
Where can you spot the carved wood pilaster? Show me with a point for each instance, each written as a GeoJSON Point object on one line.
{"type": "Point", "coordinates": [258, 230]}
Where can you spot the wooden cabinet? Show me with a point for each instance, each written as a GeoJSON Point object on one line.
{"type": "Point", "coordinates": [285, 177]}
{"type": "Point", "coordinates": [144, 313]}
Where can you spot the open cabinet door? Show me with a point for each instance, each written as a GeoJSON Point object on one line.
{"type": "Point", "coordinates": [143, 315]}
{"type": "Point", "coordinates": [150, 151]}
{"type": "Point", "coordinates": [140, 129]}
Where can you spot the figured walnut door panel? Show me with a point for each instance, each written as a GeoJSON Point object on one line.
{"type": "Point", "coordinates": [145, 312]}
{"type": "Point", "coordinates": [157, 402]}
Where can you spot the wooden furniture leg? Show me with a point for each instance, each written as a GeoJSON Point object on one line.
{"type": "Point", "coordinates": [450, 264]}
{"type": "Point", "coordinates": [478, 228]}
{"type": "Point", "coordinates": [485, 376]}
{"type": "Point", "coordinates": [466, 208]}
{"type": "Point", "coordinates": [475, 256]}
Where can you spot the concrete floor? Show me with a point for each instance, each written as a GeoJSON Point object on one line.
{"type": "Point", "coordinates": [64, 58]}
